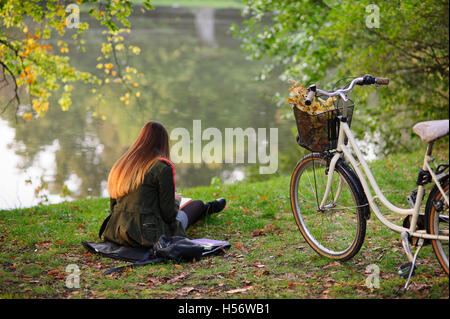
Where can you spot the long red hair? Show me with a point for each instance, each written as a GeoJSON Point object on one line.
{"type": "Point", "coordinates": [129, 171]}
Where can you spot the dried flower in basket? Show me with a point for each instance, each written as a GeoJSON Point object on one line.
{"type": "Point", "coordinates": [298, 96]}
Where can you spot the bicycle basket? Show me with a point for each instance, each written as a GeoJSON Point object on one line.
{"type": "Point", "coordinates": [319, 132]}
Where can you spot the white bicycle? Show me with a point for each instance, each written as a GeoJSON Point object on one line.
{"type": "Point", "coordinates": [330, 189]}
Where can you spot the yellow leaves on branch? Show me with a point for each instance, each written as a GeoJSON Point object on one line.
{"type": "Point", "coordinates": [65, 100]}
{"type": "Point", "coordinates": [63, 46]}
{"type": "Point", "coordinates": [125, 98]}
{"type": "Point", "coordinates": [114, 47]}
{"type": "Point", "coordinates": [40, 67]}
{"type": "Point", "coordinates": [106, 49]}
{"type": "Point", "coordinates": [39, 105]}
{"type": "Point", "coordinates": [30, 46]}
{"type": "Point", "coordinates": [120, 47]}
{"type": "Point", "coordinates": [130, 70]}
{"type": "Point", "coordinates": [28, 75]}
{"type": "Point", "coordinates": [136, 50]}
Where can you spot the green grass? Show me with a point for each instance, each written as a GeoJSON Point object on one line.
{"type": "Point", "coordinates": [268, 257]}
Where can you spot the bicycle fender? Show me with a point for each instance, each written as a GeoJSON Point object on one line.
{"type": "Point", "coordinates": [355, 179]}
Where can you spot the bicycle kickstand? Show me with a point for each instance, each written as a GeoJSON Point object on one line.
{"type": "Point", "coordinates": [407, 270]}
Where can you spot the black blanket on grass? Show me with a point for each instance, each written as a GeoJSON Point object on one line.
{"type": "Point", "coordinates": [167, 248]}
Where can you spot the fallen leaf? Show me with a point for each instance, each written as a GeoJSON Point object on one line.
{"type": "Point", "coordinates": [177, 278]}
{"type": "Point", "coordinates": [258, 232]}
{"type": "Point", "coordinates": [269, 228]}
{"type": "Point", "coordinates": [12, 267]}
{"type": "Point", "coordinates": [151, 282]}
{"type": "Point", "coordinates": [292, 284]}
{"type": "Point", "coordinates": [239, 290]}
{"type": "Point", "coordinates": [184, 291]}
{"type": "Point", "coordinates": [332, 265]}
{"type": "Point", "coordinates": [44, 244]}
{"type": "Point", "coordinates": [55, 274]}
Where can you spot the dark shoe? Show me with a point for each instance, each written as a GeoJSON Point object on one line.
{"type": "Point", "coordinates": [215, 206]}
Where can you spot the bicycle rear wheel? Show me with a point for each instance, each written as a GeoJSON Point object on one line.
{"type": "Point", "coordinates": [436, 212]}
{"type": "Point", "coordinates": [337, 231]}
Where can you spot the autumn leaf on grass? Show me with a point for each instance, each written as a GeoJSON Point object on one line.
{"type": "Point", "coordinates": [292, 284]}
{"type": "Point", "coordinates": [177, 278]}
{"type": "Point", "coordinates": [56, 274]}
{"type": "Point", "coordinates": [258, 232]}
{"type": "Point", "coordinates": [270, 228]}
{"type": "Point", "coordinates": [332, 265]}
{"type": "Point", "coordinates": [44, 244]}
{"type": "Point", "coordinates": [258, 264]}
{"type": "Point", "coordinates": [260, 272]}
{"type": "Point", "coordinates": [239, 290]}
{"type": "Point", "coordinates": [13, 266]}
{"type": "Point", "coordinates": [184, 291]}
{"type": "Point", "coordinates": [239, 245]}
{"type": "Point", "coordinates": [151, 282]}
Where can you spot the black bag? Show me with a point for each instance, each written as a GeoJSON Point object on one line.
{"type": "Point", "coordinates": [167, 248]}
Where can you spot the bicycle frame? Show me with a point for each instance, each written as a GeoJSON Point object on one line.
{"type": "Point", "coordinates": [345, 150]}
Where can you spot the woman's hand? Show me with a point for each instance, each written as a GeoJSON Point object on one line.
{"type": "Point", "coordinates": [178, 197]}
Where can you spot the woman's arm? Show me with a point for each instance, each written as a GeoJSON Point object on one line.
{"type": "Point", "coordinates": [168, 205]}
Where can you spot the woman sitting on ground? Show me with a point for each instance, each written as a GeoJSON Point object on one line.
{"type": "Point", "coordinates": [143, 201]}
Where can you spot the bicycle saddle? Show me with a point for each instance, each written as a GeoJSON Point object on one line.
{"type": "Point", "coordinates": [430, 131]}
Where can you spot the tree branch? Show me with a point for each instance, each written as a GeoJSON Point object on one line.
{"type": "Point", "coordinates": [16, 93]}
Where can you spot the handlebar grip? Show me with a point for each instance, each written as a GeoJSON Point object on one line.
{"type": "Point", "coordinates": [382, 81]}
{"type": "Point", "coordinates": [310, 97]}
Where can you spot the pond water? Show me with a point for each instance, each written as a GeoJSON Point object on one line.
{"type": "Point", "coordinates": [194, 70]}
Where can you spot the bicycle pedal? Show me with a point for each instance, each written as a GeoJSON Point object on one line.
{"type": "Point", "coordinates": [405, 269]}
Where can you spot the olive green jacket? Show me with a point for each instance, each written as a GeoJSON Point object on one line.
{"type": "Point", "coordinates": [142, 216]}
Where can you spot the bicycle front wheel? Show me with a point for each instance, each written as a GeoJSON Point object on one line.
{"type": "Point", "coordinates": [337, 229]}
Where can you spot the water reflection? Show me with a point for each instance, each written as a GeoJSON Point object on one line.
{"type": "Point", "coordinates": [204, 25]}
{"type": "Point", "coordinates": [193, 70]}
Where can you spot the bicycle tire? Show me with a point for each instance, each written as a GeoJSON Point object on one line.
{"type": "Point", "coordinates": [360, 210]}
{"type": "Point", "coordinates": [434, 210]}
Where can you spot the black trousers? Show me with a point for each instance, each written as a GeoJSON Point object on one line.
{"type": "Point", "coordinates": [191, 213]}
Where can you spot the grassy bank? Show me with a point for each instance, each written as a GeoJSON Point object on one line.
{"type": "Point", "coordinates": [268, 258]}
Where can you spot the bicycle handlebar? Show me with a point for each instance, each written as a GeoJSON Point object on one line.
{"type": "Point", "coordinates": [368, 80]}
{"type": "Point", "coordinates": [362, 80]}
{"type": "Point", "coordinates": [382, 81]}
